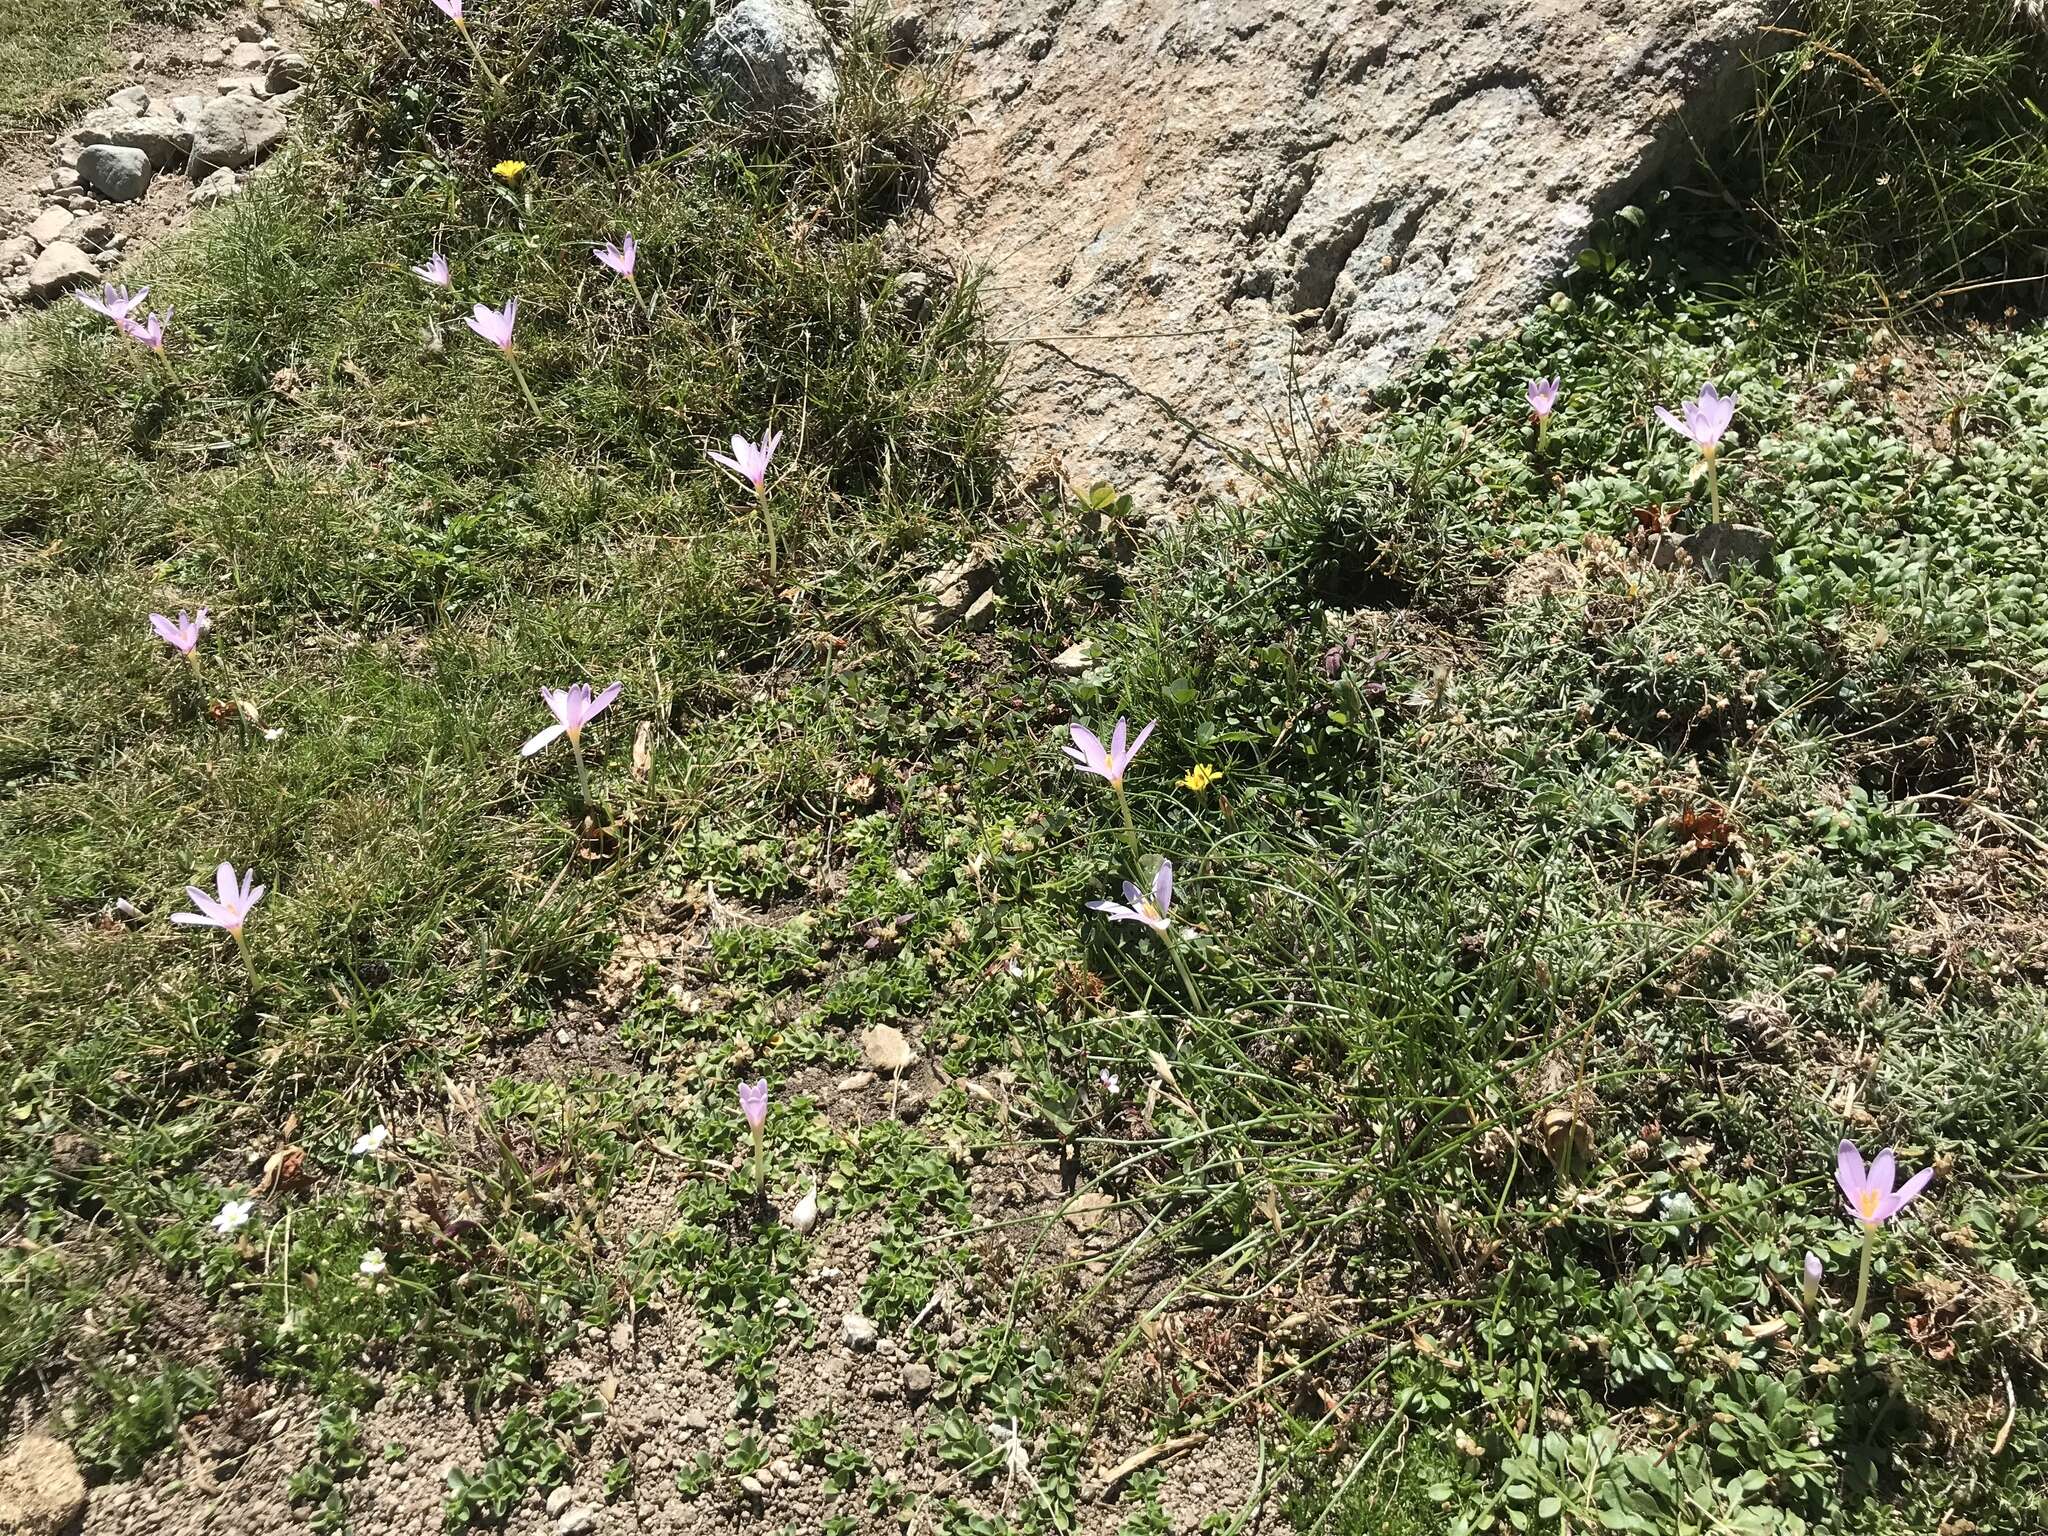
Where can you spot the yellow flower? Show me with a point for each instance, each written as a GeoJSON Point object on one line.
{"type": "Point", "coordinates": [509, 171]}
{"type": "Point", "coordinates": [1200, 777]}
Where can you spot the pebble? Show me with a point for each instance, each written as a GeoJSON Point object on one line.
{"type": "Point", "coordinates": [752, 1484]}
{"type": "Point", "coordinates": [694, 1418]}
{"type": "Point", "coordinates": [50, 224]}
{"type": "Point", "coordinates": [917, 1380]}
{"type": "Point", "coordinates": [250, 32]}
{"type": "Point", "coordinates": [858, 1331]}
{"type": "Point", "coordinates": [581, 1518]}
{"type": "Point", "coordinates": [561, 1499]}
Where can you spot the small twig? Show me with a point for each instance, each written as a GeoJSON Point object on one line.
{"type": "Point", "coordinates": [1143, 1459]}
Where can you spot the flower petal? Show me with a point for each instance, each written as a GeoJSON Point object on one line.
{"type": "Point", "coordinates": [1849, 1173]}
{"type": "Point", "coordinates": [1162, 886]}
{"type": "Point", "coordinates": [1884, 1172]}
{"type": "Point", "coordinates": [540, 739]}
{"type": "Point", "coordinates": [1908, 1192]}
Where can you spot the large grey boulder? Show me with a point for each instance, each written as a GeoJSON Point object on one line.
{"type": "Point", "coordinates": [233, 131]}
{"type": "Point", "coordinates": [1199, 214]}
{"type": "Point", "coordinates": [773, 57]}
{"type": "Point", "coordinates": [118, 174]}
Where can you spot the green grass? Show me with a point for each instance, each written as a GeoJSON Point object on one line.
{"type": "Point", "coordinates": [1532, 956]}
{"type": "Point", "coordinates": [48, 55]}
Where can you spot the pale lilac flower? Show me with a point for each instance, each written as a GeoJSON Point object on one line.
{"type": "Point", "coordinates": [1869, 1194]}
{"type": "Point", "coordinates": [113, 301]}
{"type": "Point", "coordinates": [149, 332]}
{"type": "Point", "coordinates": [754, 1104]}
{"type": "Point", "coordinates": [1137, 907]}
{"type": "Point", "coordinates": [230, 909]}
{"type": "Point", "coordinates": [1706, 419]}
{"type": "Point", "coordinates": [181, 633]}
{"type": "Point", "coordinates": [452, 9]}
{"type": "Point", "coordinates": [1087, 751]}
{"type": "Point", "coordinates": [1809, 1284]}
{"type": "Point", "coordinates": [371, 1141]}
{"type": "Point", "coordinates": [372, 1264]}
{"type": "Point", "coordinates": [494, 325]}
{"type": "Point", "coordinates": [620, 257]}
{"type": "Point", "coordinates": [750, 461]}
{"type": "Point", "coordinates": [1111, 1083]}
{"type": "Point", "coordinates": [573, 708]}
{"type": "Point", "coordinates": [1543, 395]}
{"type": "Point", "coordinates": [435, 274]}
{"type": "Point", "coordinates": [234, 1215]}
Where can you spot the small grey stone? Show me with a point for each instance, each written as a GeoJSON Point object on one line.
{"type": "Point", "coordinates": [18, 252]}
{"type": "Point", "coordinates": [117, 173]}
{"type": "Point", "coordinates": [772, 56]}
{"type": "Point", "coordinates": [93, 232]}
{"type": "Point", "coordinates": [561, 1499]}
{"type": "Point", "coordinates": [576, 1520]}
{"type": "Point", "coordinates": [63, 179]}
{"type": "Point", "coordinates": [857, 1331]}
{"type": "Point", "coordinates": [247, 56]}
{"type": "Point", "coordinates": [695, 1418]}
{"type": "Point", "coordinates": [187, 108]}
{"type": "Point", "coordinates": [953, 589]}
{"type": "Point", "coordinates": [210, 57]}
{"type": "Point", "coordinates": [980, 615]}
{"type": "Point", "coordinates": [287, 72]}
{"type": "Point", "coordinates": [752, 1484]}
{"type": "Point", "coordinates": [1718, 547]}
{"type": "Point", "coordinates": [1074, 660]}
{"type": "Point", "coordinates": [167, 140]}
{"type": "Point", "coordinates": [135, 61]}
{"type": "Point", "coordinates": [50, 225]}
{"type": "Point", "coordinates": [217, 188]}
{"type": "Point", "coordinates": [61, 268]}
{"type": "Point", "coordinates": [917, 1380]}
{"type": "Point", "coordinates": [131, 98]}
{"type": "Point", "coordinates": [234, 131]}
{"type": "Point", "coordinates": [251, 31]}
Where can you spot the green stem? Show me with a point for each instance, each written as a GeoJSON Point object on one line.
{"type": "Point", "coordinates": [1714, 486]}
{"type": "Point", "coordinates": [1542, 434]}
{"type": "Point", "coordinates": [1187, 980]}
{"type": "Point", "coordinates": [760, 1163]}
{"type": "Point", "coordinates": [767, 523]}
{"type": "Point", "coordinates": [1863, 1276]}
{"type": "Point", "coordinates": [248, 961]}
{"type": "Point", "coordinates": [582, 774]}
{"type": "Point", "coordinates": [1130, 829]}
{"type": "Point", "coordinates": [525, 389]}
{"type": "Point", "coordinates": [478, 54]}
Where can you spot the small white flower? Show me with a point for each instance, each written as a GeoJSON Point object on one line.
{"type": "Point", "coordinates": [371, 1141]}
{"type": "Point", "coordinates": [234, 1215]}
{"type": "Point", "coordinates": [373, 1263]}
{"type": "Point", "coordinates": [1111, 1083]}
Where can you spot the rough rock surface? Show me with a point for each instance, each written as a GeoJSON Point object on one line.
{"type": "Point", "coordinates": [41, 1493]}
{"type": "Point", "coordinates": [234, 131]}
{"type": "Point", "coordinates": [61, 268]}
{"type": "Point", "coordinates": [774, 56]}
{"type": "Point", "coordinates": [117, 174]}
{"type": "Point", "coordinates": [1195, 214]}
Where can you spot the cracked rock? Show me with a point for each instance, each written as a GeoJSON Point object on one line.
{"type": "Point", "coordinates": [117, 173]}
{"type": "Point", "coordinates": [773, 57]}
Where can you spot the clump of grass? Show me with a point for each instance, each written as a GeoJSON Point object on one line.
{"type": "Point", "coordinates": [1895, 151]}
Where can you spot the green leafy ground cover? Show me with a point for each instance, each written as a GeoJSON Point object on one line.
{"type": "Point", "coordinates": [1549, 919]}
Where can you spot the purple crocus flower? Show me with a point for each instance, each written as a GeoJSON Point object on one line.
{"type": "Point", "coordinates": [1543, 395]}
{"type": "Point", "coordinates": [1137, 907]}
{"type": "Point", "coordinates": [452, 9]}
{"type": "Point", "coordinates": [754, 1104]}
{"type": "Point", "coordinates": [1809, 1282]}
{"type": "Point", "coordinates": [113, 301]}
{"type": "Point", "coordinates": [1707, 419]}
{"type": "Point", "coordinates": [573, 708]}
{"type": "Point", "coordinates": [229, 909]}
{"type": "Point", "coordinates": [750, 460]}
{"type": "Point", "coordinates": [494, 325]}
{"type": "Point", "coordinates": [434, 273]}
{"type": "Point", "coordinates": [1088, 754]}
{"type": "Point", "coordinates": [181, 633]}
{"type": "Point", "coordinates": [620, 257]}
{"type": "Point", "coordinates": [149, 332]}
{"type": "Point", "coordinates": [1869, 1193]}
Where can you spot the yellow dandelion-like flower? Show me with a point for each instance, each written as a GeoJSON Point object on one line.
{"type": "Point", "coordinates": [1200, 777]}
{"type": "Point", "coordinates": [509, 171]}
